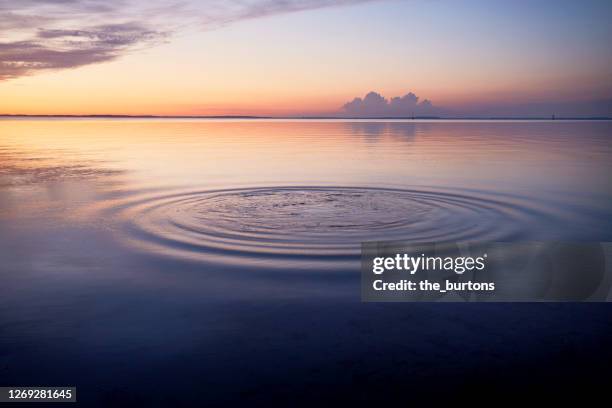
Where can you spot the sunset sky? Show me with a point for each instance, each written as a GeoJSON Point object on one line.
{"type": "Point", "coordinates": [306, 57]}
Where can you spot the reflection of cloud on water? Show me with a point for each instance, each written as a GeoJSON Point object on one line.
{"type": "Point", "coordinates": [19, 169]}
{"type": "Point", "coordinates": [50, 185]}
{"type": "Point", "coordinates": [374, 130]}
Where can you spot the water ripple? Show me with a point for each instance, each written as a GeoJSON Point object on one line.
{"type": "Point", "coordinates": [313, 226]}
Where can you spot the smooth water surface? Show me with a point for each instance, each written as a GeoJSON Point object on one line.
{"type": "Point", "coordinates": [132, 247]}
{"type": "Point", "coordinates": [273, 192]}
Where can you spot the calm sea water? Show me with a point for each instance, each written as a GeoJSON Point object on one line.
{"type": "Point", "coordinates": [223, 255]}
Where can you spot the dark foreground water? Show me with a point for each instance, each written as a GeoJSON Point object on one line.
{"type": "Point", "coordinates": [178, 263]}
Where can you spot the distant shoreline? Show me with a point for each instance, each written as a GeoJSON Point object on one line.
{"type": "Point", "coordinates": [604, 118]}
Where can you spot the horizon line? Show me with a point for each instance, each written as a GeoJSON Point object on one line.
{"type": "Point", "coordinates": [306, 117]}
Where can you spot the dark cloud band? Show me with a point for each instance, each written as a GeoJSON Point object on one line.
{"type": "Point", "coordinates": [57, 49]}
{"type": "Point", "coordinates": [60, 34]}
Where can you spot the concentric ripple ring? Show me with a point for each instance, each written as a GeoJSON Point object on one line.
{"type": "Point", "coordinates": [311, 226]}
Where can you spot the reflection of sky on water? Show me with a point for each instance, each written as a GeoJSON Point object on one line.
{"type": "Point", "coordinates": [80, 305]}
